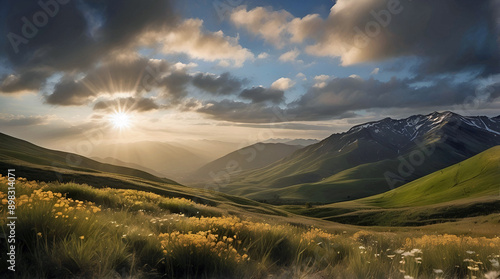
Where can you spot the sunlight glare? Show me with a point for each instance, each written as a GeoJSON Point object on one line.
{"type": "Point", "coordinates": [120, 120]}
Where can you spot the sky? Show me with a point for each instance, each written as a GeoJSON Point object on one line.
{"type": "Point", "coordinates": [236, 70]}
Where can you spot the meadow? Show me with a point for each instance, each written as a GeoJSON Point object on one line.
{"type": "Point", "coordinates": [75, 230]}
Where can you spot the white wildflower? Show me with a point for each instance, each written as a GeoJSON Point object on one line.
{"type": "Point", "coordinates": [492, 275]}
{"type": "Point", "coordinates": [494, 263]}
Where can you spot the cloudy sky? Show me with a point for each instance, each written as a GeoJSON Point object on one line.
{"type": "Point", "coordinates": [235, 70]}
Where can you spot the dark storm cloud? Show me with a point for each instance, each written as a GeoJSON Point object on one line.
{"type": "Point", "coordinates": [136, 75]}
{"type": "Point", "coordinates": [447, 36]}
{"type": "Point", "coordinates": [127, 104]}
{"type": "Point", "coordinates": [261, 95]}
{"type": "Point", "coordinates": [235, 111]}
{"type": "Point", "coordinates": [29, 80]}
{"type": "Point", "coordinates": [78, 28]}
{"type": "Point", "coordinates": [68, 35]}
{"type": "Point", "coordinates": [224, 84]}
{"type": "Point", "coordinates": [344, 95]}
{"type": "Point", "coordinates": [287, 126]}
{"type": "Point", "coordinates": [69, 92]}
{"type": "Point", "coordinates": [174, 85]}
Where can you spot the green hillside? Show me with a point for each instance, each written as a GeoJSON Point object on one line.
{"type": "Point", "coordinates": [475, 177]}
{"type": "Point", "coordinates": [360, 162]}
{"type": "Point", "coordinates": [14, 151]}
{"type": "Point", "coordinates": [36, 163]}
{"type": "Point", "coordinates": [248, 158]}
{"type": "Point", "coordinates": [469, 188]}
{"type": "Point", "coordinates": [356, 182]}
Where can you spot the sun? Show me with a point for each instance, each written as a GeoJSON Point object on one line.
{"type": "Point", "coordinates": [120, 120]}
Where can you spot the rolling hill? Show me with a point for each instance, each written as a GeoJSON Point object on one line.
{"type": "Point", "coordinates": [248, 158]}
{"type": "Point", "coordinates": [37, 163]}
{"type": "Point", "coordinates": [303, 142]}
{"type": "Point", "coordinates": [467, 189]}
{"type": "Point", "coordinates": [116, 162]}
{"type": "Point", "coordinates": [171, 159]}
{"type": "Point", "coordinates": [15, 152]}
{"type": "Point", "coordinates": [369, 159]}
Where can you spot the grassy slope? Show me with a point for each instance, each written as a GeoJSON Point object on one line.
{"type": "Point", "coordinates": [248, 158]}
{"type": "Point", "coordinates": [339, 169]}
{"type": "Point", "coordinates": [346, 176]}
{"type": "Point", "coordinates": [476, 177]}
{"type": "Point", "coordinates": [290, 177]}
{"type": "Point", "coordinates": [469, 188]}
{"type": "Point", "coordinates": [37, 163]}
{"type": "Point", "coordinates": [16, 151]}
{"type": "Point", "coordinates": [77, 231]}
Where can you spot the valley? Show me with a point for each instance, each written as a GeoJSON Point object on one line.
{"type": "Point", "coordinates": [281, 205]}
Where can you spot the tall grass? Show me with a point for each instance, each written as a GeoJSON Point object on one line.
{"type": "Point", "coordinates": [71, 230]}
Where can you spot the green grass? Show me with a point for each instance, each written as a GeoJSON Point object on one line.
{"type": "Point", "coordinates": [327, 177]}
{"type": "Point", "coordinates": [72, 230]}
{"type": "Point", "coordinates": [475, 177]}
{"type": "Point", "coordinates": [466, 189]}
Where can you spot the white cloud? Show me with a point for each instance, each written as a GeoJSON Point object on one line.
{"type": "Point", "coordinates": [375, 71]}
{"type": "Point", "coordinates": [301, 28]}
{"type": "Point", "coordinates": [263, 55]}
{"type": "Point", "coordinates": [290, 56]}
{"type": "Point", "coordinates": [321, 81]}
{"type": "Point", "coordinates": [301, 76]}
{"type": "Point", "coordinates": [224, 64]}
{"type": "Point", "coordinates": [364, 30]}
{"type": "Point", "coordinates": [283, 84]}
{"type": "Point", "coordinates": [179, 66]}
{"type": "Point", "coordinates": [268, 24]}
{"type": "Point", "coordinates": [189, 38]}
{"type": "Point", "coordinates": [321, 77]}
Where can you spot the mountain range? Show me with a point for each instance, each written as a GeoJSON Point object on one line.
{"type": "Point", "coordinates": [248, 158]}
{"type": "Point", "coordinates": [369, 159]}
{"type": "Point", "coordinates": [420, 170]}
{"type": "Point", "coordinates": [303, 142]}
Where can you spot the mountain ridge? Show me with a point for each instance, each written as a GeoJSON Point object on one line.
{"type": "Point", "coordinates": [425, 143]}
{"type": "Point", "coordinates": [466, 189]}
{"type": "Point", "coordinates": [247, 158]}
